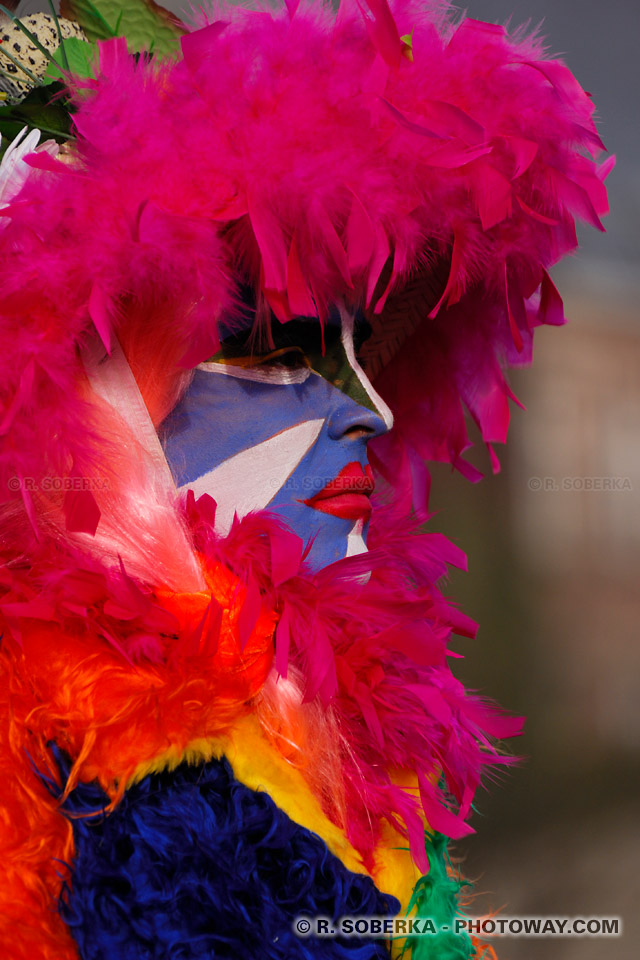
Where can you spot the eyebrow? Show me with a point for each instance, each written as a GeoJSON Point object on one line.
{"type": "Point", "coordinates": [304, 333]}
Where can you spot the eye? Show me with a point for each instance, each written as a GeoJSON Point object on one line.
{"type": "Point", "coordinates": [286, 358]}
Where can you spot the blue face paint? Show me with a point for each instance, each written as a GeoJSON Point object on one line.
{"type": "Point", "coordinates": [272, 431]}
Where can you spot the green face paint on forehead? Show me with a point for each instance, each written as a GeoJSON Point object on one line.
{"type": "Point", "coordinates": [331, 353]}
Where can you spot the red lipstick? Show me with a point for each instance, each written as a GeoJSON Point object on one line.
{"type": "Point", "coordinates": [347, 495]}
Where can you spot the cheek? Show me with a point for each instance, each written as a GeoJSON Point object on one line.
{"type": "Point", "coordinates": [247, 481]}
{"type": "Point", "coordinates": [220, 417]}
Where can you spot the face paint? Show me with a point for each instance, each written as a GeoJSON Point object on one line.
{"type": "Point", "coordinates": [286, 428]}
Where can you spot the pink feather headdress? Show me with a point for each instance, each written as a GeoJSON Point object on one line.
{"type": "Point", "coordinates": [381, 156]}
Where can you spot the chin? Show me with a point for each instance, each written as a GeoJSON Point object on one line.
{"type": "Point", "coordinates": [325, 552]}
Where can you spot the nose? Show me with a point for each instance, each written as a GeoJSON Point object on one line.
{"type": "Point", "coordinates": [361, 413]}
{"type": "Point", "coordinates": [351, 421]}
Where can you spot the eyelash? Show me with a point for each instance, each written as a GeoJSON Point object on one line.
{"type": "Point", "coordinates": [287, 358]}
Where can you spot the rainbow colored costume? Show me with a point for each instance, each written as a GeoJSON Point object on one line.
{"type": "Point", "coordinates": [202, 740]}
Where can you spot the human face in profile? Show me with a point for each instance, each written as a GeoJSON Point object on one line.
{"type": "Point", "coordinates": [284, 428]}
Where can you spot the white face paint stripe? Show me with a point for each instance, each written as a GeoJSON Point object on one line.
{"type": "Point", "coordinates": [251, 479]}
{"type": "Point", "coordinates": [355, 540]}
{"type": "Point", "coordinates": [257, 374]}
{"type": "Point", "coordinates": [347, 342]}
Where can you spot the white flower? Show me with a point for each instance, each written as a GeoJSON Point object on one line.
{"type": "Point", "coordinates": [13, 170]}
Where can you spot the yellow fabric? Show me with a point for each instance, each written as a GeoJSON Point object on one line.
{"type": "Point", "coordinates": [395, 872]}
{"type": "Point", "coordinates": [198, 751]}
{"type": "Point", "coordinates": [259, 766]}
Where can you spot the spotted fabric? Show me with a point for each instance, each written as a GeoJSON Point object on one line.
{"type": "Point", "coordinates": [43, 26]}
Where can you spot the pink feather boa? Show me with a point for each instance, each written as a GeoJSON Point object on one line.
{"type": "Point", "coordinates": [374, 654]}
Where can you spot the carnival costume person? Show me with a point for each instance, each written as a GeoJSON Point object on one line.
{"type": "Point", "coordinates": [266, 274]}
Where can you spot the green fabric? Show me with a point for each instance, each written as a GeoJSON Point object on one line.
{"type": "Point", "coordinates": [435, 898]}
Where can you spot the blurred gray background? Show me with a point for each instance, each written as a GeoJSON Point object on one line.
{"type": "Point", "coordinates": [553, 565]}
{"type": "Point", "coordinates": [553, 577]}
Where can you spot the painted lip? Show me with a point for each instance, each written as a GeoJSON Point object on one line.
{"type": "Point", "coordinates": [347, 495]}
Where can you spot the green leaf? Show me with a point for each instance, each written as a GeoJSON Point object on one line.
{"type": "Point", "coordinates": [9, 130]}
{"type": "Point", "coordinates": [144, 23]}
{"type": "Point", "coordinates": [89, 17]}
{"type": "Point", "coordinates": [81, 57]}
{"type": "Point", "coordinates": [43, 109]}
{"type": "Point", "coordinates": [52, 7]}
